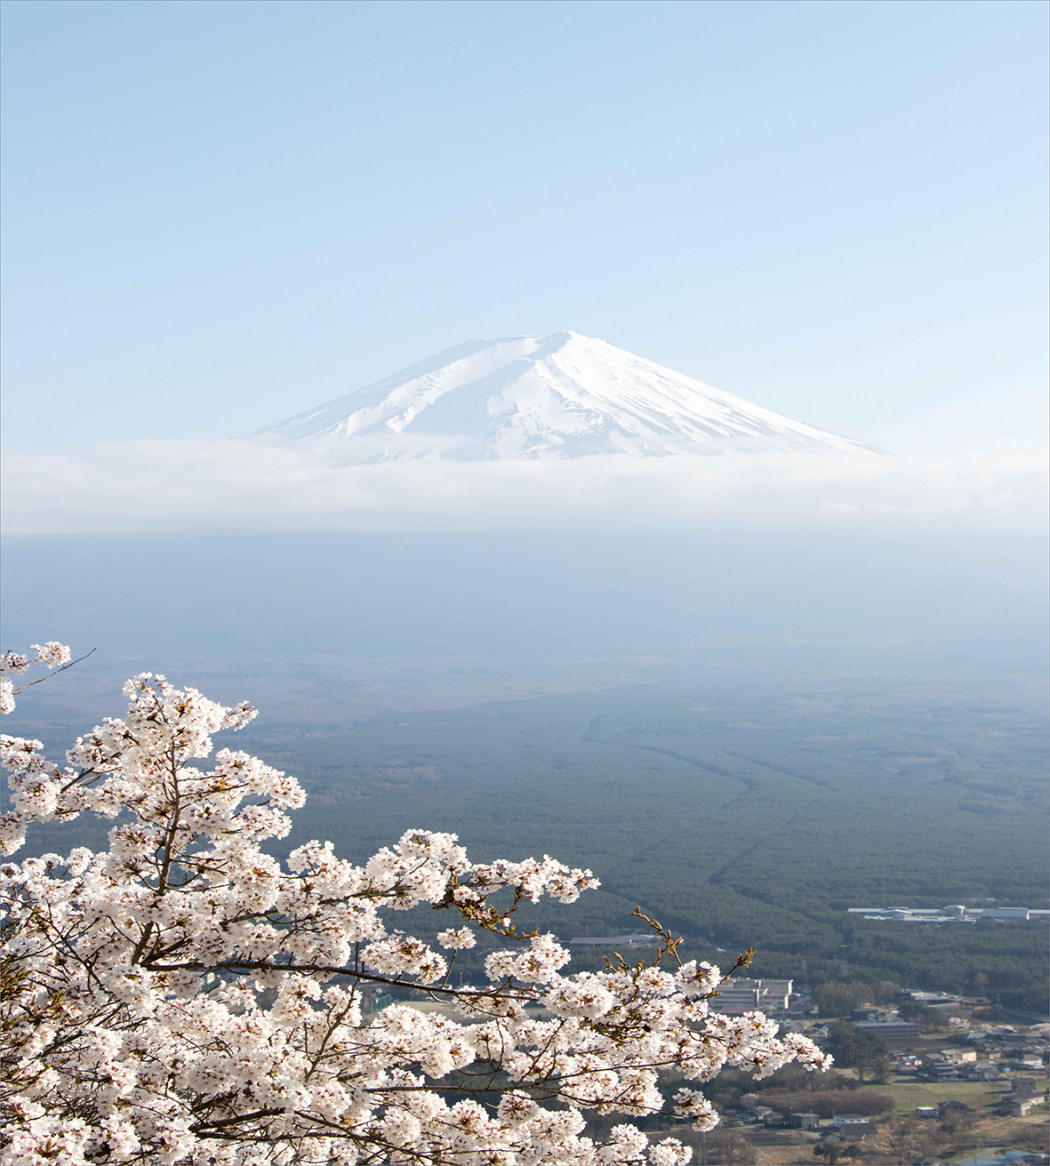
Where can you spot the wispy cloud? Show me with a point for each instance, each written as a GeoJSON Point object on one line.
{"type": "Point", "coordinates": [184, 486]}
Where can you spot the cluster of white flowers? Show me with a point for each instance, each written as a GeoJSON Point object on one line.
{"type": "Point", "coordinates": [185, 998]}
{"type": "Point", "coordinates": [53, 654]}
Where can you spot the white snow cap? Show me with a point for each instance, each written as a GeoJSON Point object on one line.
{"type": "Point", "coordinates": [542, 398]}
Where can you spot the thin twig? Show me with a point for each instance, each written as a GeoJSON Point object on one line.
{"type": "Point", "coordinates": [41, 679]}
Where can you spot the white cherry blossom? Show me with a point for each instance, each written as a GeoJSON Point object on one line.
{"type": "Point", "coordinates": [183, 997]}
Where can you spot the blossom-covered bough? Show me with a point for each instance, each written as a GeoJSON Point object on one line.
{"type": "Point", "coordinates": [184, 997]}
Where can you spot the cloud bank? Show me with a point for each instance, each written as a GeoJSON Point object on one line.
{"type": "Point", "coordinates": [172, 486]}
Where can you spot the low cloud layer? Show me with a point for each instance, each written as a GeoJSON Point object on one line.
{"type": "Point", "coordinates": [184, 486]}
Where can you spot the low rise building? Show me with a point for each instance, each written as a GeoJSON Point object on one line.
{"type": "Point", "coordinates": [892, 1031]}
{"type": "Point", "coordinates": [1018, 1106]}
{"type": "Point", "coordinates": [942, 1069]}
{"type": "Point", "coordinates": [858, 1130]}
{"type": "Point", "coordinates": [638, 939]}
{"type": "Point", "coordinates": [948, 1108]}
{"type": "Point", "coordinates": [952, 913]}
{"type": "Point", "coordinates": [743, 995]}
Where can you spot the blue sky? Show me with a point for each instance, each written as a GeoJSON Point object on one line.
{"type": "Point", "coordinates": [219, 214]}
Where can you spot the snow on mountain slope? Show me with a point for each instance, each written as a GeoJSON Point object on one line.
{"type": "Point", "coordinates": [560, 396]}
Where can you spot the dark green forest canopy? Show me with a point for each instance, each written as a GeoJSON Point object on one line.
{"type": "Point", "coordinates": [740, 818]}
{"type": "Point", "coordinates": [739, 811]}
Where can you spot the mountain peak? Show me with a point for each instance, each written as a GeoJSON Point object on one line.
{"type": "Point", "coordinates": [551, 397]}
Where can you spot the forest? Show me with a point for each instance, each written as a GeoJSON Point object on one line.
{"type": "Point", "coordinates": [742, 807]}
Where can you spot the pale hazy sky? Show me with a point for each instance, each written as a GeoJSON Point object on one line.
{"type": "Point", "coordinates": [219, 214]}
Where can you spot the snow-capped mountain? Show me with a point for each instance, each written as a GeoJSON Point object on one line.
{"type": "Point", "coordinates": [560, 396]}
